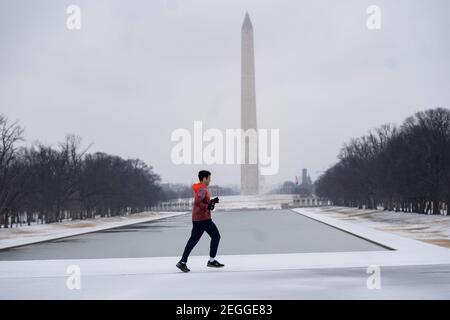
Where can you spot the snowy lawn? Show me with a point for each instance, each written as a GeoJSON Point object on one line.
{"type": "Point", "coordinates": [434, 229]}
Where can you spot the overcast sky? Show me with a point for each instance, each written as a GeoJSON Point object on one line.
{"type": "Point", "coordinates": [138, 70]}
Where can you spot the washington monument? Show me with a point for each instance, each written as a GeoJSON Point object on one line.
{"type": "Point", "coordinates": [249, 169]}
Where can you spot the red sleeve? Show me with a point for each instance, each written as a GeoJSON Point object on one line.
{"type": "Point", "coordinates": [201, 199]}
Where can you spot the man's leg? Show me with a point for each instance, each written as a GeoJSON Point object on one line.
{"type": "Point", "coordinates": [196, 234]}
{"type": "Point", "coordinates": [213, 232]}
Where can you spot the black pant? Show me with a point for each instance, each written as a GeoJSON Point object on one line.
{"type": "Point", "coordinates": [197, 231]}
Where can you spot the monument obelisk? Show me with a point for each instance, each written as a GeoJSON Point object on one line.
{"type": "Point", "coordinates": [249, 169]}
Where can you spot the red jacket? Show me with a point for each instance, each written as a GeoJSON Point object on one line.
{"type": "Point", "coordinates": [202, 197]}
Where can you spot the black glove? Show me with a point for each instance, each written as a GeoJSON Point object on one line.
{"type": "Point", "coordinates": [212, 203]}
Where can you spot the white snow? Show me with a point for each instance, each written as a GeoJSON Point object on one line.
{"type": "Point", "coordinates": [428, 228]}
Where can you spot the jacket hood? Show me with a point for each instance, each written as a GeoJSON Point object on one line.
{"type": "Point", "coordinates": [197, 186]}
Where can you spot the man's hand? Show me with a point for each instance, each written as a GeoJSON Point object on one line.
{"type": "Point", "coordinates": [212, 203]}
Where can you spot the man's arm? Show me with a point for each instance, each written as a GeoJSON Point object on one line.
{"type": "Point", "coordinates": [200, 199]}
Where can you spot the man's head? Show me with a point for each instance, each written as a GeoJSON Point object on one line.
{"type": "Point", "coordinates": [204, 177]}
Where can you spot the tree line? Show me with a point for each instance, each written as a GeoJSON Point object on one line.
{"type": "Point", "coordinates": [400, 168]}
{"type": "Point", "coordinates": [43, 184]}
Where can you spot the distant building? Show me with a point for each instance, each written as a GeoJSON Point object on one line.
{"type": "Point", "coordinates": [306, 179]}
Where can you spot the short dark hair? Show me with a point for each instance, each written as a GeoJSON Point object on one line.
{"type": "Point", "coordinates": [203, 174]}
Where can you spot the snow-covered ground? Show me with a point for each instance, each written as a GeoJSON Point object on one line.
{"type": "Point", "coordinates": [243, 277]}
{"type": "Point", "coordinates": [434, 229]}
{"type": "Point", "coordinates": [13, 237]}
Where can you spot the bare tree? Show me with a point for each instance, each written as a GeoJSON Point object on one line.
{"type": "Point", "coordinates": [403, 169]}
{"type": "Point", "coordinates": [10, 135]}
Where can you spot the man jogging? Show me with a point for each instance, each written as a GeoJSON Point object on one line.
{"type": "Point", "coordinates": [201, 221]}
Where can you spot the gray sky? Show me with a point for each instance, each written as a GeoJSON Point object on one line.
{"type": "Point", "coordinates": [137, 70]}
